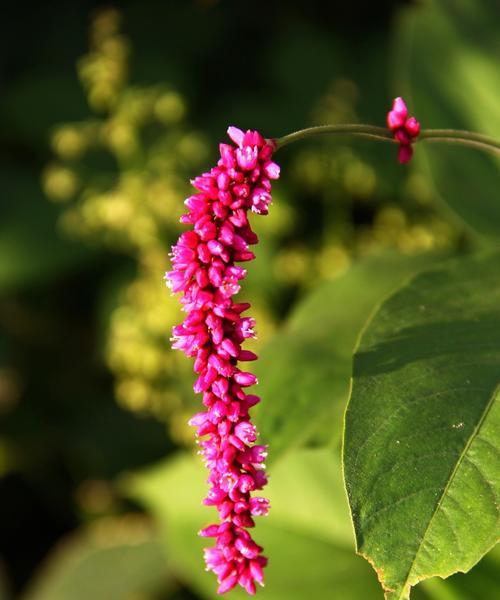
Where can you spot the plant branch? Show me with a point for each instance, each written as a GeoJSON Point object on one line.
{"type": "Point", "coordinates": [372, 132]}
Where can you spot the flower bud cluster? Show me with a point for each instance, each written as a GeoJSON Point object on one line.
{"type": "Point", "coordinates": [404, 128]}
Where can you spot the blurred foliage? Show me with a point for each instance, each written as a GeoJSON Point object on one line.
{"type": "Point", "coordinates": [308, 533]}
{"type": "Point", "coordinates": [467, 98]}
{"type": "Point", "coordinates": [85, 317]}
{"type": "Point", "coordinates": [314, 349]}
{"type": "Point", "coordinates": [133, 207]}
{"type": "Point", "coordinates": [114, 558]}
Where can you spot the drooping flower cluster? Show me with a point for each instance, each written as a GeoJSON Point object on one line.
{"type": "Point", "coordinates": [205, 271]}
{"type": "Point", "coordinates": [404, 128]}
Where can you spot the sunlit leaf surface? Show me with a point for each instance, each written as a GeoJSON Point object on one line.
{"type": "Point", "coordinates": [421, 452]}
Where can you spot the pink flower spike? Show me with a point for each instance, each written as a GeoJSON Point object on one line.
{"type": "Point", "coordinates": [213, 332]}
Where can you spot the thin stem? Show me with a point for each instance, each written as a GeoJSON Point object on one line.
{"type": "Point", "coordinates": [464, 138]}
{"type": "Point", "coordinates": [448, 136]}
{"type": "Point", "coordinates": [366, 131]}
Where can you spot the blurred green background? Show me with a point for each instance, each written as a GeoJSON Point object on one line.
{"type": "Point", "coordinates": [105, 115]}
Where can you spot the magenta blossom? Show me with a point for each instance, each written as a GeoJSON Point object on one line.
{"type": "Point", "coordinates": [404, 128]}
{"type": "Point", "coordinates": [205, 271]}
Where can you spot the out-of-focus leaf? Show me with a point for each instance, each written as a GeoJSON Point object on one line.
{"type": "Point", "coordinates": [304, 372]}
{"type": "Point", "coordinates": [460, 90]}
{"type": "Point", "coordinates": [307, 535]}
{"type": "Point", "coordinates": [112, 560]}
{"type": "Point", "coordinates": [421, 452]}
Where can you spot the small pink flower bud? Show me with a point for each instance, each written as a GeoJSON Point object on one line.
{"type": "Point", "coordinates": [272, 170]}
{"type": "Point", "coordinates": [256, 571]}
{"type": "Point", "coordinates": [228, 584]}
{"type": "Point", "coordinates": [215, 247]}
{"type": "Point", "coordinates": [245, 379]}
{"type": "Point", "coordinates": [247, 355]}
{"type": "Point", "coordinates": [227, 155]}
{"type": "Point", "coordinates": [210, 531]}
{"type": "Point", "coordinates": [399, 106]}
{"type": "Point", "coordinates": [403, 137]}
{"type": "Point", "coordinates": [395, 119]}
{"type": "Point", "coordinates": [230, 347]}
{"type": "Point", "coordinates": [259, 506]}
{"type": "Point", "coordinates": [247, 157]}
{"type": "Point", "coordinates": [404, 154]}
{"type": "Point", "coordinates": [198, 419]}
{"type": "Point", "coordinates": [214, 496]}
{"type": "Point", "coordinates": [246, 483]}
{"type": "Point", "coordinates": [247, 548]}
{"type": "Point", "coordinates": [412, 126]}
{"type": "Point", "coordinates": [252, 400]}
{"type": "Point", "coordinates": [246, 582]}
{"type": "Point", "coordinates": [246, 432]}
{"type": "Point", "coordinates": [253, 138]}
{"type": "Point", "coordinates": [236, 135]}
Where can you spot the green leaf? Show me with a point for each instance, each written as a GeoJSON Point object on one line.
{"type": "Point", "coordinates": [483, 581]}
{"type": "Point", "coordinates": [464, 35]}
{"type": "Point", "coordinates": [305, 371]}
{"type": "Point", "coordinates": [421, 448]}
{"type": "Point", "coordinates": [111, 560]}
{"type": "Point", "coordinates": [307, 535]}
{"type": "Point", "coordinates": [480, 583]}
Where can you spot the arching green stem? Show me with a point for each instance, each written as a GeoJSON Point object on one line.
{"type": "Point", "coordinates": [446, 136]}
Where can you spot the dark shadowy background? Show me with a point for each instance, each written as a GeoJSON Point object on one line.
{"type": "Point", "coordinates": [94, 165]}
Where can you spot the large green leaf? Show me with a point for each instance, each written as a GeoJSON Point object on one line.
{"type": "Point", "coordinates": [115, 559]}
{"type": "Point", "coordinates": [308, 535]}
{"type": "Point", "coordinates": [460, 90]}
{"type": "Point", "coordinates": [421, 448]}
{"type": "Point", "coordinates": [304, 372]}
